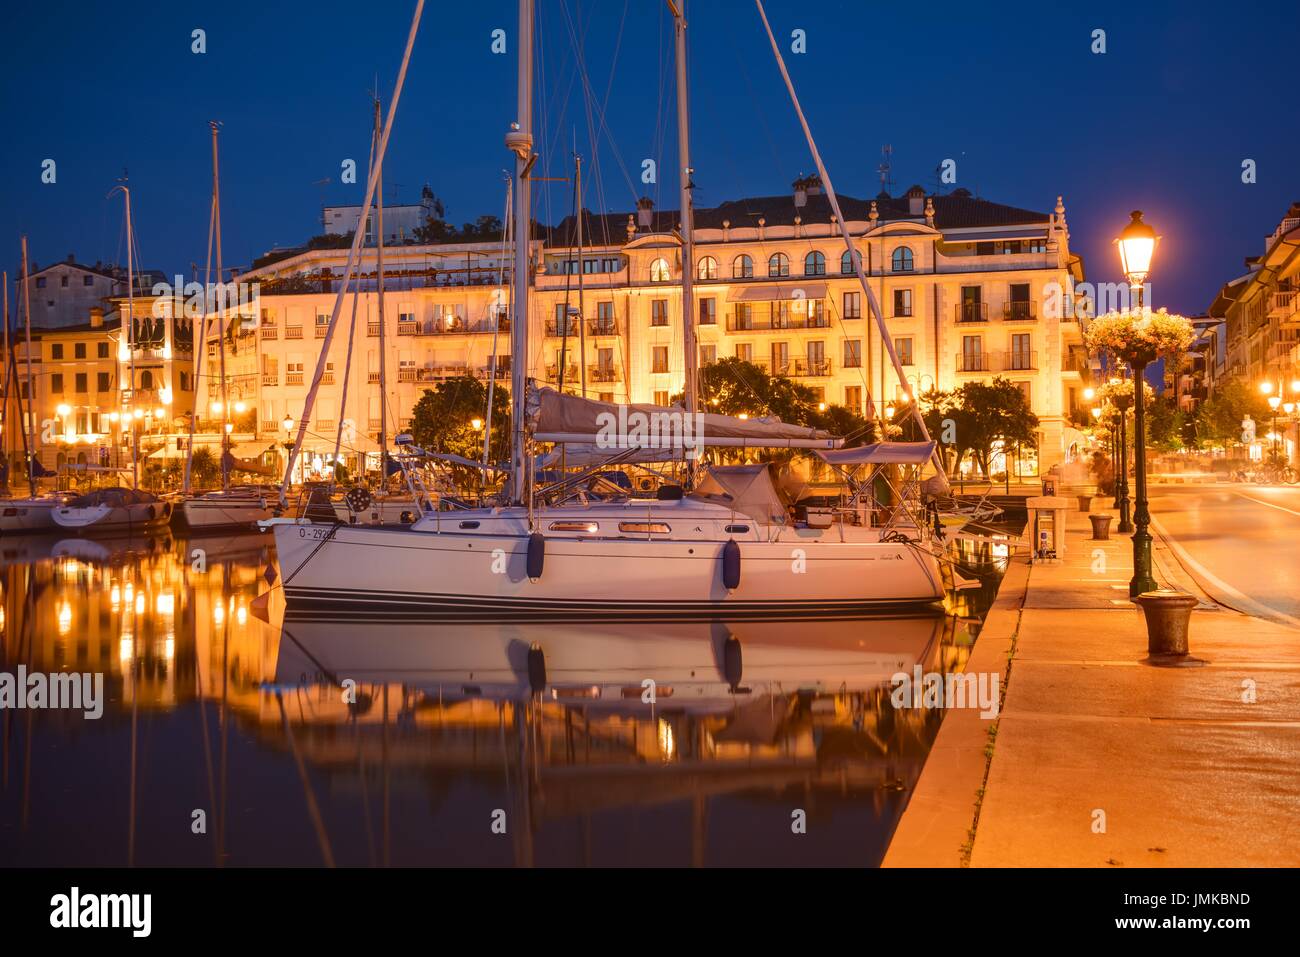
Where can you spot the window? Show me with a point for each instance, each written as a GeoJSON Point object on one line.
{"type": "Point", "coordinates": [901, 261]}
{"type": "Point", "coordinates": [1036, 245]}
{"type": "Point", "coordinates": [904, 349]}
{"type": "Point", "coordinates": [102, 350]}
{"type": "Point", "coordinates": [79, 350]}
{"type": "Point", "coordinates": [87, 280]}
{"type": "Point", "coordinates": [745, 351]}
{"type": "Point", "coordinates": [146, 379]}
{"type": "Point", "coordinates": [658, 312]}
{"type": "Point", "coordinates": [814, 264]}
{"type": "Point", "coordinates": [816, 353]}
{"type": "Point", "coordinates": [659, 271]}
{"type": "Point", "coordinates": [322, 318]}
{"type": "Point", "coordinates": [1027, 390]}
{"type": "Point", "coordinates": [852, 353]}
{"type": "Point", "coordinates": [744, 316]}
{"type": "Point", "coordinates": [1022, 353]}
{"type": "Point", "coordinates": [40, 282]}
{"type": "Point", "coordinates": [587, 527]}
{"type": "Point", "coordinates": [56, 383]}
{"type": "Point", "coordinates": [853, 397]}
{"type": "Point", "coordinates": [80, 382]}
{"type": "Point", "coordinates": [780, 358]}
{"type": "Point", "coordinates": [63, 281]}
{"type": "Point", "coordinates": [742, 267]}
{"type": "Point", "coordinates": [708, 312]}
{"type": "Point", "coordinates": [708, 355]}
{"type": "Point", "coordinates": [661, 397]}
{"type": "Point", "coordinates": [604, 318]}
{"type": "Point", "coordinates": [56, 350]}
{"type": "Point", "coordinates": [659, 359]}
{"type": "Point", "coordinates": [972, 354]}
{"type": "Point", "coordinates": [708, 268]}
{"type": "Point", "coordinates": [847, 265]}
{"type": "Point", "coordinates": [103, 382]}
{"type": "Point", "coordinates": [778, 265]}
{"type": "Point", "coordinates": [902, 303]}
{"type": "Point", "coordinates": [1019, 306]}
{"type": "Point", "coordinates": [645, 528]}
{"type": "Point", "coordinates": [971, 307]}
{"type": "Point", "coordinates": [853, 305]}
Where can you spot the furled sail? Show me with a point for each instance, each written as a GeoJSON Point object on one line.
{"type": "Point", "coordinates": [554, 417]}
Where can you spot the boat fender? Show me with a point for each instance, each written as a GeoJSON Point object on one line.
{"type": "Point", "coordinates": [731, 565]}
{"type": "Point", "coordinates": [733, 668]}
{"type": "Point", "coordinates": [536, 668]}
{"type": "Point", "coordinates": [536, 555]}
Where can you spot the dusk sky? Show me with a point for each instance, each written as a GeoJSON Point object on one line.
{"type": "Point", "coordinates": [1161, 121]}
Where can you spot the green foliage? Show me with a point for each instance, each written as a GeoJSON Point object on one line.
{"type": "Point", "coordinates": [443, 419]}
{"type": "Point", "coordinates": [205, 468]}
{"type": "Point", "coordinates": [975, 416]}
{"type": "Point", "coordinates": [733, 386]}
{"type": "Point", "coordinates": [1218, 419]}
{"type": "Point", "coordinates": [1164, 423]}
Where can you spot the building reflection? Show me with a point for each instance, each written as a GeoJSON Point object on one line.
{"type": "Point", "coordinates": [559, 721]}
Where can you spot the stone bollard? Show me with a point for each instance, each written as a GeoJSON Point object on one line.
{"type": "Point", "coordinates": [1168, 615]}
{"type": "Point", "coordinates": [1100, 527]}
{"type": "Point", "coordinates": [1085, 504]}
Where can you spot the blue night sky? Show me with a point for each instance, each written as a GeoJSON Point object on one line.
{"type": "Point", "coordinates": [1161, 121]}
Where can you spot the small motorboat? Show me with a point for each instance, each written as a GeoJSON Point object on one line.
{"type": "Point", "coordinates": [240, 505]}
{"type": "Point", "coordinates": [110, 510]}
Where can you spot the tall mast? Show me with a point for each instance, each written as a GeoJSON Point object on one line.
{"type": "Point", "coordinates": [520, 141]}
{"type": "Point", "coordinates": [678, 8]}
{"type": "Point", "coordinates": [221, 315]}
{"type": "Point", "coordinates": [130, 314]}
{"type": "Point", "coordinates": [383, 357]}
{"type": "Point", "coordinates": [4, 409]}
{"type": "Point", "coordinates": [30, 447]}
{"type": "Point", "coordinates": [582, 313]}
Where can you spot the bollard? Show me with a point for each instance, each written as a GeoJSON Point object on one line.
{"type": "Point", "coordinates": [1168, 615]}
{"type": "Point", "coordinates": [1085, 504]}
{"type": "Point", "coordinates": [1100, 527]}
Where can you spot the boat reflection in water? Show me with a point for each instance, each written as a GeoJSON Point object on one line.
{"type": "Point", "coordinates": [400, 741]}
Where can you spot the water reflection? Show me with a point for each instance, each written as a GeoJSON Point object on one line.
{"type": "Point", "coordinates": [307, 740]}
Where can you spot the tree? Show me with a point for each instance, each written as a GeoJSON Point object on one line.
{"type": "Point", "coordinates": [1165, 424]}
{"type": "Point", "coordinates": [976, 416]}
{"type": "Point", "coordinates": [443, 419]}
{"type": "Point", "coordinates": [204, 468]}
{"type": "Point", "coordinates": [1219, 418]}
{"type": "Point", "coordinates": [735, 387]}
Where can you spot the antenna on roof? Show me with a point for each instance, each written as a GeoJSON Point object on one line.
{"type": "Point", "coordinates": [886, 181]}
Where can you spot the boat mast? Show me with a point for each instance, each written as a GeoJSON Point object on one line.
{"type": "Point", "coordinates": [379, 262]}
{"type": "Point", "coordinates": [221, 316]}
{"type": "Point", "coordinates": [30, 447]}
{"type": "Point", "coordinates": [496, 322]}
{"type": "Point", "coordinates": [520, 141]}
{"type": "Point", "coordinates": [199, 350]}
{"type": "Point", "coordinates": [4, 409]}
{"type": "Point", "coordinates": [692, 354]}
{"type": "Point", "coordinates": [582, 314]}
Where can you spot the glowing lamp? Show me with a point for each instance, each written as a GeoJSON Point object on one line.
{"type": "Point", "coordinates": [1137, 245]}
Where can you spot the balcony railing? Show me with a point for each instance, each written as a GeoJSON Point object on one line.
{"type": "Point", "coordinates": [372, 328]}
{"type": "Point", "coordinates": [459, 327]}
{"type": "Point", "coordinates": [293, 332]}
{"type": "Point", "coordinates": [321, 329]}
{"type": "Point", "coordinates": [558, 329]}
{"type": "Point", "coordinates": [270, 378]}
{"type": "Point", "coordinates": [1018, 311]}
{"type": "Point", "coordinates": [327, 378]}
{"type": "Point", "coordinates": [372, 377]}
{"type": "Point", "coordinates": [409, 327]}
{"type": "Point", "coordinates": [293, 378]}
{"type": "Point", "coordinates": [973, 362]}
{"type": "Point", "coordinates": [602, 327]}
{"type": "Point", "coordinates": [601, 374]}
{"type": "Point", "coordinates": [406, 375]}
{"type": "Point", "coordinates": [1016, 360]}
{"type": "Point", "coordinates": [1076, 360]}
{"type": "Point", "coordinates": [752, 323]}
{"type": "Point", "coordinates": [1283, 302]}
{"type": "Point", "coordinates": [809, 368]}
{"type": "Point", "coordinates": [1022, 360]}
{"type": "Point", "coordinates": [270, 332]}
{"type": "Point", "coordinates": [570, 373]}
{"type": "Point", "coordinates": [971, 311]}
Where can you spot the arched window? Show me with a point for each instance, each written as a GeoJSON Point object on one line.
{"type": "Point", "coordinates": [778, 265]}
{"type": "Point", "coordinates": [742, 267]}
{"type": "Point", "coordinates": [146, 379]}
{"type": "Point", "coordinates": [814, 264]}
{"type": "Point", "coordinates": [902, 259]}
{"type": "Point", "coordinates": [846, 263]}
{"type": "Point", "coordinates": [708, 268]}
{"type": "Point", "coordinates": [659, 271]}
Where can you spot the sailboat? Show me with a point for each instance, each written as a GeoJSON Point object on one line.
{"type": "Point", "coordinates": [231, 506]}
{"type": "Point", "coordinates": [33, 512]}
{"type": "Point", "coordinates": [731, 546]}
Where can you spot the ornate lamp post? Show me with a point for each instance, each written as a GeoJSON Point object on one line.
{"type": "Point", "coordinates": [1122, 403]}
{"type": "Point", "coordinates": [1137, 246]}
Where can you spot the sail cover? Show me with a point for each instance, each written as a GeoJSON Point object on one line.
{"type": "Point", "coordinates": [882, 453]}
{"type": "Point", "coordinates": [748, 489]}
{"type": "Point", "coordinates": [553, 417]}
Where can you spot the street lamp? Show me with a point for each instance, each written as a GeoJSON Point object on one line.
{"type": "Point", "coordinates": [1137, 246]}
{"type": "Point", "coordinates": [1273, 402]}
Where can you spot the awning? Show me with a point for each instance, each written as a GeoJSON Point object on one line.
{"type": "Point", "coordinates": [251, 450]}
{"type": "Point", "coordinates": [768, 292]}
{"type": "Point", "coordinates": [882, 453]}
{"type": "Point", "coordinates": [746, 488]}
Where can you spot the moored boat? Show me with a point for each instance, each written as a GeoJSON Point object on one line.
{"type": "Point", "coordinates": [113, 510]}
{"type": "Point", "coordinates": [238, 506]}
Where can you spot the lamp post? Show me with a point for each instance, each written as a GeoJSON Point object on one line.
{"type": "Point", "coordinates": [287, 424]}
{"type": "Point", "coordinates": [1137, 246]}
{"type": "Point", "coordinates": [1121, 475]}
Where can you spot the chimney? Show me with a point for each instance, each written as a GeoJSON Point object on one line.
{"type": "Point", "coordinates": [72, 258]}
{"type": "Point", "coordinates": [915, 201]}
{"type": "Point", "coordinates": [814, 185]}
{"type": "Point", "coordinates": [800, 192]}
{"type": "Point", "coordinates": [96, 317]}
{"type": "Point", "coordinates": [645, 207]}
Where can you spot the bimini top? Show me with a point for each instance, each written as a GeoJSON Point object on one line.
{"type": "Point", "coordinates": [882, 453]}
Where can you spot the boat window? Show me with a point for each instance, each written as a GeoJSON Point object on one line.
{"type": "Point", "coordinates": [469, 524]}
{"type": "Point", "coordinates": [737, 529]}
{"type": "Point", "coordinates": [645, 528]}
{"type": "Point", "coordinates": [588, 527]}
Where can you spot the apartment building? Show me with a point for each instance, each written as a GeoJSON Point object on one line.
{"type": "Point", "coordinates": [63, 293]}
{"type": "Point", "coordinates": [967, 288]}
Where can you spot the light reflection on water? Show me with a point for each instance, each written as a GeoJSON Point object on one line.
{"type": "Point", "coordinates": [307, 741]}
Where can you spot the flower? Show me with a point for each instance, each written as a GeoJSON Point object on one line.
{"type": "Point", "coordinates": [1140, 336]}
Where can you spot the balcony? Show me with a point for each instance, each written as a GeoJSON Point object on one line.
{"type": "Point", "coordinates": [270, 332]}
{"type": "Point", "coordinates": [808, 368]}
{"type": "Point", "coordinates": [1019, 312]}
{"type": "Point", "coordinates": [372, 377]}
{"type": "Point", "coordinates": [559, 330]}
{"type": "Point", "coordinates": [455, 326]}
{"type": "Point", "coordinates": [293, 332]}
{"type": "Point", "coordinates": [270, 378]}
{"type": "Point", "coordinates": [570, 373]}
{"type": "Point", "coordinates": [602, 327]}
{"type": "Point", "coordinates": [327, 379]}
{"type": "Point", "coordinates": [293, 378]}
{"type": "Point", "coordinates": [372, 328]}
{"type": "Point", "coordinates": [971, 312]}
{"type": "Point", "coordinates": [601, 374]}
{"type": "Point", "coordinates": [1076, 360]}
{"type": "Point", "coordinates": [408, 327]}
{"type": "Point", "coordinates": [321, 329]}
{"type": "Point", "coordinates": [1282, 302]}
{"type": "Point", "coordinates": [1025, 360]}
{"type": "Point", "coordinates": [974, 362]}
{"type": "Point", "coordinates": [752, 323]}
{"type": "Point", "coordinates": [406, 375]}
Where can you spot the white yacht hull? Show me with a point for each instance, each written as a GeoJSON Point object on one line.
{"type": "Point", "coordinates": [200, 514]}
{"type": "Point", "coordinates": [482, 571]}
{"type": "Point", "coordinates": [19, 516]}
{"type": "Point", "coordinates": [105, 519]}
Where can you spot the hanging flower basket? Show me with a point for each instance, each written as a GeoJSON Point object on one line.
{"type": "Point", "coordinates": [1140, 336]}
